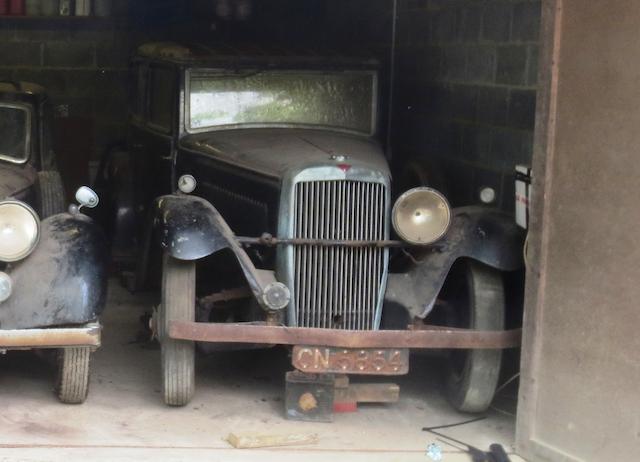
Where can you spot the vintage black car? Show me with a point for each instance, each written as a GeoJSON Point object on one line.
{"type": "Point", "coordinates": [52, 263]}
{"type": "Point", "coordinates": [262, 178]}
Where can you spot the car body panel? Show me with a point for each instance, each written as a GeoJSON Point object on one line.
{"type": "Point", "coordinates": [63, 281]}
{"type": "Point", "coordinates": [190, 228]}
{"type": "Point", "coordinates": [485, 235]}
{"type": "Point", "coordinates": [275, 152]}
{"type": "Point", "coordinates": [15, 180]}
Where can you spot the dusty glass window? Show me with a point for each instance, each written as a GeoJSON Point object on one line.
{"type": "Point", "coordinates": [342, 100]}
{"type": "Point", "coordinates": [14, 128]}
{"type": "Point", "coordinates": [162, 84]}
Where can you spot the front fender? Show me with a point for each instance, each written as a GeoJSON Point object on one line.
{"type": "Point", "coordinates": [190, 228]}
{"type": "Point", "coordinates": [488, 236]}
{"type": "Point", "coordinates": [64, 280]}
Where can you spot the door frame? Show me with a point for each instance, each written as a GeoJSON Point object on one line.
{"type": "Point", "coordinates": [538, 233]}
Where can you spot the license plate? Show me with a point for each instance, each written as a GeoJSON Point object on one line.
{"type": "Point", "coordinates": [372, 361]}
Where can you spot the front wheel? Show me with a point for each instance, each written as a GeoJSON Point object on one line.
{"type": "Point", "coordinates": [72, 385]}
{"type": "Point", "coordinates": [474, 299]}
{"type": "Point", "coordinates": [177, 356]}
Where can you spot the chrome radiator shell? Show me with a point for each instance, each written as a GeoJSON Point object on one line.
{"type": "Point", "coordinates": [335, 287]}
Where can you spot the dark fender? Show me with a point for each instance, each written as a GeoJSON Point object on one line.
{"type": "Point", "coordinates": [190, 228]}
{"type": "Point", "coordinates": [488, 236]}
{"type": "Point", "coordinates": [64, 281]}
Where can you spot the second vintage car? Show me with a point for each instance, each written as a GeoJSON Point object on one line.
{"type": "Point", "coordinates": [258, 184]}
{"type": "Point", "coordinates": [53, 271]}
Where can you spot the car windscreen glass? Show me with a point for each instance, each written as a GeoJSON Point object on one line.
{"type": "Point", "coordinates": [14, 129]}
{"type": "Point", "coordinates": [341, 100]}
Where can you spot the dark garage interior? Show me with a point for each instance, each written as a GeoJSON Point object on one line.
{"type": "Point", "coordinates": [467, 90]}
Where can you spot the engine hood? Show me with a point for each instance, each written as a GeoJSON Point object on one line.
{"type": "Point", "coordinates": [278, 152]}
{"type": "Point", "coordinates": [14, 179]}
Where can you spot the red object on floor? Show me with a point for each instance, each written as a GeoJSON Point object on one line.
{"type": "Point", "coordinates": [16, 7]}
{"type": "Point", "coordinates": [345, 407]}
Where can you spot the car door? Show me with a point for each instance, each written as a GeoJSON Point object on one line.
{"type": "Point", "coordinates": [151, 143]}
{"type": "Point", "coordinates": [153, 140]}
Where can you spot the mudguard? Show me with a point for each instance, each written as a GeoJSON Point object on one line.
{"type": "Point", "coordinates": [190, 228]}
{"type": "Point", "coordinates": [488, 236]}
{"type": "Point", "coordinates": [64, 281]}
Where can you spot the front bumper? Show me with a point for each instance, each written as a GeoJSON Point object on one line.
{"type": "Point", "coordinates": [426, 337]}
{"type": "Point", "coordinates": [88, 335]}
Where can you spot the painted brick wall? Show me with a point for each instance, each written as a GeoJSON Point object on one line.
{"type": "Point", "coordinates": [83, 66]}
{"type": "Point", "coordinates": [466, 90]}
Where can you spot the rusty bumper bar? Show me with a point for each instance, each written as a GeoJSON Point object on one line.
{"type": "Point", "coordinates": [434, 337]}
{"type": "Point", "coordinates": [87, 335]}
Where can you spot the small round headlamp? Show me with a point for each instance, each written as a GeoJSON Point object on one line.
{"type": "Point", "coordinates": [276, 296]}
{"type": "Point", "coordinates": [187, 184]}
{"type": "Point", "coordinates": [421, 216]}
{"type": "Point", "coordinates": [19, 230]}
{"type": "Point", "coordinates": [6, 286]}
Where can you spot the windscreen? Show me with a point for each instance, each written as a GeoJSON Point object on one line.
{"type": "Point", "coordinates": [13, 133]}
{"type": "Point", "coordinates": [341, 100]}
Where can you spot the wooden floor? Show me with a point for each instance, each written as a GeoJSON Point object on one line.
{"type": "Point", "coordinates": [124, 418]}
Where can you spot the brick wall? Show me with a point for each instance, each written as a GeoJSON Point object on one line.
{"type": "Point", "coordinates": [465, 81]}
{"type": "Point", "coordinates": [83, 65]}
{"type": "Point", "coordinates": [466, 89]}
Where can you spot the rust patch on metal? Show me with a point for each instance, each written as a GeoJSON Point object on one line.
{"type": "Point", "coordinates": [271, 241]}
{"type": "Point", "coordinates": [307, 402]}
{"type": "Point", "coordinates": [426, 339]}
{"type": "Point", "coordinates": [225, 296]}
{"type": "Point", "coordinates": [373, 361]}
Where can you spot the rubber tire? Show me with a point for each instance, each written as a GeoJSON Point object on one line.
{"type": "Point", "coordinates": [471, 387]}
{"type": "Point", "coordinates": [72, 384]}
{"type": "Point", "coordinates": [177, 356]}
{"type": "Point", "coordinates": [51, 195]}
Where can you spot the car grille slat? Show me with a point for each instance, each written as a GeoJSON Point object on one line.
{"type": "Point", "coordinates": [338, 287]}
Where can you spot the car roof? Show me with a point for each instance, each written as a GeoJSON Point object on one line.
{"type": "Point", "coordinates": [19, 90]}
{"type": "Point", "coordinates": [251, 55]}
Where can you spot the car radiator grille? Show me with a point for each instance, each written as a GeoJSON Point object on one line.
{"type": "Point", "coordinates": [338, 287]}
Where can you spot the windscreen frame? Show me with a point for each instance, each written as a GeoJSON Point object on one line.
{"type": "Point", "coordinates": [373, 127]}
{"type": "Point", "coordinates": [28, 133]}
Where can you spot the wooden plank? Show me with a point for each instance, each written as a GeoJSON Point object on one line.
{"type": "Point", "coordinates": [369, 393]}
{"type": "Point", "coordinates": [251, 441]}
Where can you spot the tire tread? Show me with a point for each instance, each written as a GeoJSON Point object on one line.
{"type": "Point", "coordinates": [72, 385]}
{"type": "Point", "coordinates": [178, 356]}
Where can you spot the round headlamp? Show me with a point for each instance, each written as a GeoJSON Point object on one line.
{"type": "Point", "coordinates": [6, 286]}
{"type": "Point", "coordinates": [421, 216]}
{"type": "Point", "coordinates": [19, 230]}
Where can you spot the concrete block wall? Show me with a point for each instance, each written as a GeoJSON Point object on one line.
{"type": "Point", "coordinates": [83, 65]}
{"type": "Point", "coordinates": [466, 89]}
